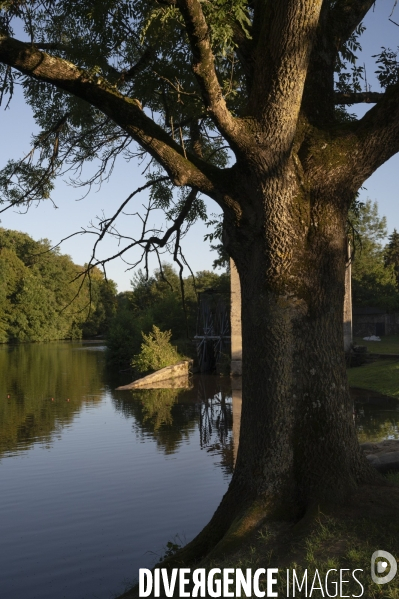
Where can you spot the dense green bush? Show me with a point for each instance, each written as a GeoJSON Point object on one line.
{"type": "Point", "coordinates": [156, 351]}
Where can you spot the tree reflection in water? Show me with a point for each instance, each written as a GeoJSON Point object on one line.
{"type": "Point", "coordinates": [171, 416]}
{"type": "Point", "coordinates": [216, 418]}
{"type": "Point", "coordinates": [32, 374]}
{"type": "Point", "coordinates": [42, 387]}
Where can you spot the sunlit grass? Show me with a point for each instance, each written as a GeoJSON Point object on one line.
{"type": "Point", "coordinates": [381, 376]}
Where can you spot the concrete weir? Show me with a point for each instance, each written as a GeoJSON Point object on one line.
{"type": "Point", "coordinates": [170, 377]}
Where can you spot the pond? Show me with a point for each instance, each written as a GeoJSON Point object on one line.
{"type": "Point", "coordinates": [95, 482]}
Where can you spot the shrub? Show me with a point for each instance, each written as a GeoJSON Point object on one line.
{"type": "Point", "coordinates": [156, 351]}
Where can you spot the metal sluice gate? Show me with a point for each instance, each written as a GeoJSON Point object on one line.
{"type": "Point", "coordinates": [213, 329]}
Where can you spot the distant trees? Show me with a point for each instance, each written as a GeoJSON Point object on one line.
{"type": "Point", "coordinates": [392, 254]}
{"type": "Point", "coordinates": [158, 301]}
{"type": "Point", "coordinates": [37, 293]}
{"type": "Point", "coordinates": [373, 275]}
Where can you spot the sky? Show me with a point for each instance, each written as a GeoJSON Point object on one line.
{"type": "Point", "coordinates": [46, 221]}
{"type": "Point", "coordinates": [71, 213]}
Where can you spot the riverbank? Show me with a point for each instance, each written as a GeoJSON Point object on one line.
{"type": "Point", "coordinates": [389, 344]}
{"type": "Point", "coordinates": [329, 539]}
{"type": "Point", "coordinates": [381, 374]}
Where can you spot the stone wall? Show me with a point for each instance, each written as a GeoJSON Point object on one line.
{"type": "Point", "coordinates": [379, 324]}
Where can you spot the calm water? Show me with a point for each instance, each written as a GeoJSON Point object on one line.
{"type": "Point", "coordinates": [95, 482]}
{"type": "Point", "coordinates": [90, 487]}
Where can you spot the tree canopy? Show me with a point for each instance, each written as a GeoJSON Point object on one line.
{"type": "Point", "coordinates": [182, 80]}
{"type": "Point", "coordinates": [39, 293]}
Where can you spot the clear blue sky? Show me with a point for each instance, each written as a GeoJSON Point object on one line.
{"type": "Point", "coordinates": [16, 126]}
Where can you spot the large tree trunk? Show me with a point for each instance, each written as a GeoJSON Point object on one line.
{"type": "Point", "coordinates": [298, 446]}
{"type": "Point", "coordinates": [298, 441]}
{"type": "Point", "coordinates": [298, 438]}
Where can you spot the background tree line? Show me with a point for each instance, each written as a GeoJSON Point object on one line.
{"type": "Point", "coordinates": [375, 267]}
{"type": "Point", "coordinates": [37, 287]}
{"type": "Point", "coordinates": [39, 299]}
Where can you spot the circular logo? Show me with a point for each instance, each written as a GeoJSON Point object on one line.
{"type": "Point", "coordinates": [382, 566]}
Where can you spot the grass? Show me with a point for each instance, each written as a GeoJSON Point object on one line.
{"type": "Point", "coordinates": [381, 376]}
{"type": "Point", "coordinates": [389, 344]}
{"type": "Point", "coordinates": [331, 538]}
{"type": "Point", "coordinates": [341, 539]}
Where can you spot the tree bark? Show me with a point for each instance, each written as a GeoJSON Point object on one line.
{"type": "Point", "coordinates": [298, 446]}
{"type": "Point", "coordinates": [298, 438]}
{"type": "Point", "coordinates": [298, 443]}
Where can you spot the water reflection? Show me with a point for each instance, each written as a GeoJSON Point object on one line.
{"type": "Point", "coordinates": [171, 416]}
{"type": "Point", "coordinates": [157, 407]}
{"type": "Point", "coordinates": [216, 418]}
{"type": "Point", "coordinates": [376, 423]}
{"type": "Point", "coordinates": [376, 415]}
{"type": "Point", "coordinates": [42, 387]}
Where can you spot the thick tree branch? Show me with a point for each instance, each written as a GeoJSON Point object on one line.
{"type": "Point", "coordinates": [335, 26]}
{"type": "Point", "coordinates": [204, 70]}
{"type": "Point", "coordinates": [125, 112]}
{"type": "Point", "coordinates": [358, 98]}
{"type": "Point", "coordinates": [377, 138]}
{"type": "Point", "coordinates": [61, 47]}
{"type": "Point", "coordinates": [318, 96]}
{"type": "Point", "coordinates": [138, 67]}
{"type": "Point", "coordinates": [259, 8]}
{"type": "Point", "coordinates": [346, 16]}
{"type": "Point", "coordinates": [195, 138]}
{"type": "Point", "coordinates": [281, 64]}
